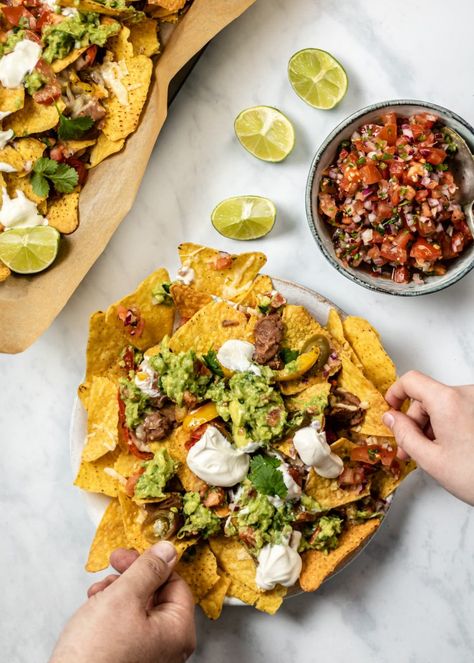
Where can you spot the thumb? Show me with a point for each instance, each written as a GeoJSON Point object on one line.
{"type": "Point", "coordinates": [411, 439]}
{"type": "Point", "coordinates": [149, 572]}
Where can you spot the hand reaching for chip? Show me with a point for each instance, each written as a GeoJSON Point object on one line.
{"type": "Point", "coordinates": [145, 614]}
{"type": "Point", "coordinates": [437, 431]}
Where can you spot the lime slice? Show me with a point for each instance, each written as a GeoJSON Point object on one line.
{"type": "Point", "coordinates": [265, 132]}
{"type": "Point", "coordinates": [244, 217]}
{"type": "Point", "coordinates": [317, 77]}
{"type": "Point", "coordinates": [29, 250]}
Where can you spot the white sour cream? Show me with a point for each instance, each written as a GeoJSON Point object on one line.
{"type": "Point", "coordinates": [186, 274]}
{"type": "Point", "coordinates": [21, 61]}
{"type": "Point", "coordinates": [4, 114]}
{"type": "Point", "coordinates": [214, 460]}
{"type": "Point", "coordinates": [279, 564]}
{"type": "Point", "coordinates": [145, 379]}
{"type": "Point", "coordinates": [6, 168]}
{"type": "Point", "coordinates": [314, 450]}
{"type": "Point", "coordinates": [5, 136]}
{"type": "Point", "coordinates": [294, 490]}
{"type": "Point", "coordinates": [19, 212]}
{"type": "Point", "coordinates": [112, 73]}
{"type": "Point", "coordinates": [237, 356]}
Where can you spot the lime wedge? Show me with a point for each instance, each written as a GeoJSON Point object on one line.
{"type": "Point", "coordinates": [265, 132]}
{"type": "Point", "coordinates": [244, 217]}
{"type": "Point", "coordinates": [317, 77]}
{"type": "Point", "coordinates": [29, 250]}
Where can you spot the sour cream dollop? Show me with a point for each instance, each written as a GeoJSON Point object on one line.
{"type": "Point", "coordinates": [314, 450]}
{"type": "Point", "coordinates": [4, 114]}
{"type": "Point", "coordinates": [145, 379]}
{"type": "Point", "coordinates": [5, 136]}
{"type": "Point", "coordinates": [279, 564]}
{"type": "Point", "coordinates": [214, 460]}
{"type": "Point", "coordinates": [186, 275]}
{"type": "Point", "coordinates": [237, 355]}
{"type": "Point", "coordinates": [19, 212]}
{"type": "Point", "coordinates": [21, 61]}
{"type": "Point", "coordinates": [6, 168]}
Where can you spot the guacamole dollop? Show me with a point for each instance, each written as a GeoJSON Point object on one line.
{"type": "Point", "coordinates": [325, 536]}
{"type": "Point", "coordinates": [136, 403]}
{"type": "Point", "coordinates": [255, 408]}
{"type": "Point", "coordinates": [33, 82]}
{"type": "Point", "coordinates": [79, 30]}
{"type": "Point", "coordinates": [198, 518]}
{"type": "Point", "coordinates": [158, 472]}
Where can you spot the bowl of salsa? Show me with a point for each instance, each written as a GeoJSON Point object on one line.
{"type": "Point", "coordinates": [383, 198]}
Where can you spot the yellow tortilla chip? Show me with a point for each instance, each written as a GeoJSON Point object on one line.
{"type": "Point", "coordinates": [109, 535]}
{"type": "Point", "coordinates": [102, 420]}
{"type": "Point", "coordinates": [314, 398]}
{"type": "Point", "coordinates": [104, 148]}
{"type": "Point", "coordinates": [336, 329]}
{"type": "Point", "coordinates": [169, 5]}
{"type": "Point", "coordinates": [127, 464]}
{"type": "Point", "coordinates": [384, 483]}
{"type": "Point", "coordinates": [30, 149]}
{"type": "Point", "coordinates": [12, 157]}
{"type": "Point", "coordinates": [176, 445]}
{"type": "Point", "coordinates": [104, 346]}
{"type": "Point", "coordinates": [96, 7]}
{"type": "Point", "coordinates": [60, 64]}
{"type": "Point", "coordinates": [198, 567]}
{"type": "Point", "coordinates": [212, 603]}
{"type": "Point", "coordinates": [327, 492]}
{"type": "Point", "coordinates": [230, 283]}
{"type": "Point", "coordinates": [75, 146]}
{"type": "Point", "coordinates": [299, 326]}
{"type": "Point", "coordinates": [14, 182]}
{"type": "Point", "coordinates": [210, 327]}
{"type": "Point", "coordinates": [365, 341]}
{"type": "Point", "coordinates": [188, 300]}
{"type": "Point", "coordinates": [158, 318]}
{"type": "Point", "coordinates": [268, 602]}
{"type": "Point", "coordinates": [93, 478]}
{"type": "Point", "coordinates": [144, 37]}
{"type": "Point", "coordinates": [262, 285]}
{"type": "Point", "coordinates": [62, 213]}
{"type": "Point", "coordinates": [352, 379]}
{"type": "Point", "coordinates": [33, 118]}
{"type": "Point", "coordinates": [317, 565]}
{"type": "Point", "coordinates": [11, 99]}
{"type": "Point", "coordinates": [4, 272]}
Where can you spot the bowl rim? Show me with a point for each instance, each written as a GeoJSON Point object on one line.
{"type": "Point", "coordinates": [436, 286]}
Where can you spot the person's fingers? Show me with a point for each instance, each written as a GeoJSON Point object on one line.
{"type": "Point", "coordinates": [121, 559]}
{"type": "Point", "coordinates": [412, 439]}
{"type": "Point", "coordinates": [416, 386]}
{"type": "Point", "coordinates": [417, 412]}
{"type": "Point", "coordinates": [176, 591]}
{"type": "Point", "coordinates": [149, 572]}
{"type": "Point", "coordinates": [101, 585]}
{"type": "Point", "coordinates": [175, 599]}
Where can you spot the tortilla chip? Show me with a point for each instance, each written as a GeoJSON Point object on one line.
{"type": "Point", "coordinates": [376, 364]}
{"type": "Point", "coordinates": [104, 148]}
{"type": "Point", "coordinates": [262, 285]}
{"type": "Point", "coordinates": [144, 37]}
{"type": "Point", "coordinates": [109, 535]}
{"type": "Point", "coordinates": [93, 478]}
{"type": "Point", "coordinates": [62, 213]}
{"type": "Point", "coordinates": [198, 567]}
{"type": "Point", "coordinates": [60, 64]}
{"type": "Point", "coordinates": [299, 325]}
{"type": "Point", "coordinates": [12, 157]}
{"type": "Point", "coordinates": [384, 483]}
{"type": "Point", "coordinates": [165, 15]}
{"type": "Point", "coordinates": [336, 329]}
{"type": "Point", "coordinates": [268, 602]}
{"type": "Point", "coordinates": [318, 565]}
{"type": "Point", "coordinates": [30, 149]}
{"type": "Point", "coordinates": [169, 5]}
{"type": "Point", "coordinates": [230, 283]}
{"type": "Point", "coordinates": [205, 330]}
{"type": "Point", "coordinates": [352, 379]}
{"type": "Point", "coordinates": [96, 7]}
{"type": "Point", "coordinates": [104, 345]}
{"type": "Point", "coordinates": [127, 464]}
{"type": "Point", "coordinates": [133, 516]}
{"type": "Point", "coordinates": [188, 300]}
{"type": "Point", "coordinates": [158, 318]}
{"type": "Point", "coordinates": [11, 99]}
{"type": "Point", "coordinates": [4, 272]}
{"type": "Point", "coordinates": [102, 420]}
{"type": "Point", "coordinates": [75, 146]}
{"type": "Point", "coordinates": [212, 603]}
{"type": "Point", "coordinates": [315, 397]}
{"type": "Point", "coordinates": [327, 492]}
{"type": "Point", "coordinates": [14, 182]}
{"type": "Point", "coordinates": [33, 118]}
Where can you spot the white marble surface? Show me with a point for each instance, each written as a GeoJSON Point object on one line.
{"type": "Point", "coordinates": [409, 596]}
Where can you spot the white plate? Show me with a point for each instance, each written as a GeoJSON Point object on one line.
{"type": "Point", "coordinates": [96, 504]}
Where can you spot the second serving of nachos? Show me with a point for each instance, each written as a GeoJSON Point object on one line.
{"type": "Point", "coordinates": [232, 423]}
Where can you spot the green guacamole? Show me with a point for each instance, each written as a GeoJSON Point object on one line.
{"type": "Point", "coordinates": [256, 410]}
{"type": "Point", "coordinates": [33, 82]}
{"type": "Point", "coordinates": [136, 403]}
{"type": "Point", "coordinates": [178, 373]}
{"type": "Point", "coordinates": [80, 30]}
{"type": "Point", "coordinates": [198, 518]}
{"type": "Point", "coordinates": [328, 530]}
{"type": "Point", "coordinates": [158, 472]}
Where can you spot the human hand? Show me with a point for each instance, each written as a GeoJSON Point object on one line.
{"type": "Point", "coordinates": [144, 615]}
{"type": "Point", "coordinates": [437, 431]}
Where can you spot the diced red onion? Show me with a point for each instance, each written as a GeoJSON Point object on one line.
{"type": "Point", "coordinates": [372, 217]}
{"type": "Point", "coordinates": [367, 235]}
{"type": "Point", "coordinates": [368, 205]}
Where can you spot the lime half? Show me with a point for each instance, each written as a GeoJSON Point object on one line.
{"type": "Point", "coordinates": [29, 250]}
{"type": "Point", "coordinates": [317, 77]}
{"type": "Point", "coordinates": [244, 217]}
{"type": "Point", "coordinates": [265, 132]}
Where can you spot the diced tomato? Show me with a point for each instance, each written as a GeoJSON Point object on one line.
{"type": "Point", "coordinates": [394, 249]}
{"type": "Point", "coordinates": [223, 261]}
{"type": "Point", "coordinates": [425, 120]}
{"type": "Point", "coordinates": [433, 155]}
{"type": "Point", "coordinates": [388, 133]}
{"type": "Point", "coordinates": [28, 34]}
{"type": "Point", "coordinates": [418, 131]}
{"type": "Point", "coordinates": [129, 359]}
{"type": "Point", "coordinates": [373, 454]}
{"type": "Point", "coordinates": [424, 252]}
{"type": "Point", "coordinates": [458, 242]}
{"type": "Point", "coordinates": [426, 227]}
{"type": "Point", "coordinates": [132, 320]}
{"type": "Point", "coordinates": [57, 152]}
{"type": "Point", "coordinates": [125, 435]}
{"type": "Point", "coordinates": [389, 118]}
{"type": "Point", "coordinates": [328, 205]}
{"type": "Point", "coordinates": [47, 17]}
{"type": "Point", "coordinates": [19, 16]}
{"type": "Point", "coordinates": [132, 482]}
{"type": "Point", "coordinates": [351, 179]}
{"type": "Point", "coordinates": [403, 238]}
{"type": "Point", "coordinates": [370, 174]}
{"type": "Point", "coordinates": [352, 476]}
{"type": "Point", "coordinates": [48, 94]}
{"type": "Point", "coordinates": [396, 168]}
{"type": "Point", "coordinates": [80, 167]}
{"type": "Point", "coordinates": [384, 211]}
{"type": "Point", "coordinates": [401, 275]}
{"type": "Point", "coordinates": [196, 435]}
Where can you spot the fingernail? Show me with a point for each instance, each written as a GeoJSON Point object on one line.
{"type": "Point", "coordinates": [388, 420]}
{"type": "Point", "coordinates": [165, 551]}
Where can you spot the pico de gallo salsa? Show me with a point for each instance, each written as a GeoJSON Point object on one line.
{"type": "Point", "coordinates": [391, 199]}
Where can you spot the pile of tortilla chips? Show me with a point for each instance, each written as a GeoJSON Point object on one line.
{"type": "Point", "coordinates": [221, 566]}
{"type": "Point", "coordinates": [34, 125]}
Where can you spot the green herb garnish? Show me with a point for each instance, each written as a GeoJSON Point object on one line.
{"type": "Point", "coordinates": [45, 171]}
{"type": "Point", "coordinates": [73, 128]}
{"type": "Point", "coordinates": [288, 355]}
{"type": "Point", "coordinates": [265, 476]}
{"type": "Point", "coordinates": [210, 360]}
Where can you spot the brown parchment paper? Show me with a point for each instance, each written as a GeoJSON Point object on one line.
{"type": "Point", "coordinates": [28, 305]}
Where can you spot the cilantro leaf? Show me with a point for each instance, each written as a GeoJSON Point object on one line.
{"type": "Point", "coordinates": [63, 177]}
{"type": "Point", "coordinates": [210, 360]}
{"type": "Point", "coordinates": [45, 166]}
{"type": "Point", "coordinates": [265, 476]}
{"type": "Point", "coordinates": [288, 355]}
{"type": "Point", "coordinates": [72, 128]}
{"type": "Point", "coordinates": [40, 184]}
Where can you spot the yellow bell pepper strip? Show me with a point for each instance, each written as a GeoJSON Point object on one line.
{"type": "Point", "coordinates": [202, 415]}
{"type": "Point", "coordinates": [298, 367]}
